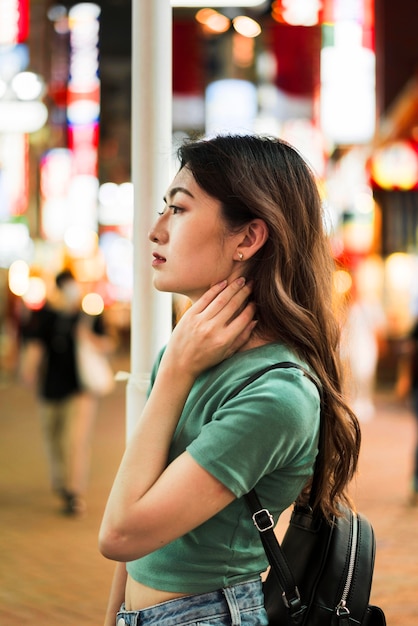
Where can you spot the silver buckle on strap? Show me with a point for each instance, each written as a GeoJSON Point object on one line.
{"type": "Point", "coordinates": [263, 520]}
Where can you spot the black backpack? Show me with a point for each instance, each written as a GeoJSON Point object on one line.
{"type": "Point", "coordinates": [322, 573]}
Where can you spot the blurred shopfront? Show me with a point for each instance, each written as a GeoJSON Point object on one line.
{"type": "Point", "coordinates": [314, 73]}
{"type": "Point", "coordinates": [393, 169]}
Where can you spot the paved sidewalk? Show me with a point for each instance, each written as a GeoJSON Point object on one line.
{"type": "Point", "coordinates": [382, 492]}
{"type": "Point", "coordinates": [50, 568]}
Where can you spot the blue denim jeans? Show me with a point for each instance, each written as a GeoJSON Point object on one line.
{"type": "Point", "coordinates": [238, 605]}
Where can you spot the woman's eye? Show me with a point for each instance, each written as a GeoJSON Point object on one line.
{"type": "Point", "coordinates": [175, 209]}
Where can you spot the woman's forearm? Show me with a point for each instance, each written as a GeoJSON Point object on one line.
{"type": "Point", "coordinates": [144, 460]}
{"type": "Point", "coordinates": [208, 333]}
{"type": "Point", "coordinates": [116, 595]}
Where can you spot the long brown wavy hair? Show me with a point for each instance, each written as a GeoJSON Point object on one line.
{"type": "Point", "coordinates": [263, 177]}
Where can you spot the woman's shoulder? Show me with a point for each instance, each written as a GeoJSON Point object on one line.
{"type": "Point", "coordinates": [264, 356]}
{"type": "Point", "coordinates": [272, 370]}
{"type": "Point", "coordinates": [247, 403]}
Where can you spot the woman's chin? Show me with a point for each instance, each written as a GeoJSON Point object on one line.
{"type": "Point", "coordinates": [164, 286]}
{"type": "Point", "coordinates": [160, 284]}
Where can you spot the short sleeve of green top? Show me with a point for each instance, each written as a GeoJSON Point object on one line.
{"type": "Point", "coordinates": [265, 437]}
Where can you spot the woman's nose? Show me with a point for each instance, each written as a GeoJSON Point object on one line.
{"type": "Point", "coordinates": [156, 233]}
{"type": "Point", "coordinates": [152, 236]}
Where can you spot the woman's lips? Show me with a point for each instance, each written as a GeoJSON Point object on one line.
{"type": "Point", "coordinates": [158, 259]}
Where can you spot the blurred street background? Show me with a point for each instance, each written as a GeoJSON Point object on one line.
{"type": "Point", "coordinates": [52, 573]}
{"type": "Point", "coordinates": [338, 79]}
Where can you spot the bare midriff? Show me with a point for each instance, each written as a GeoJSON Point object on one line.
{"type": "Point", "coordinates": [139, 596]}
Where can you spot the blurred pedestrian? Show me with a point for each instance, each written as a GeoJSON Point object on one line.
{"type": "Point", "coordinates": [414, 392]}
{"type": "Point", "coordinates": [49, 367]}
{"type": "Point", "coordinates": [407, 384]}
{"type": "Point", "coordinates": [363, 340]}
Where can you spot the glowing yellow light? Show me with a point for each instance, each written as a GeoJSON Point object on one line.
{"type": "Point", "coordinates": [35, 295]}
{"type": "Point", "coordinates": [243, 50]}
{"type": "Point", "coordinates": [92, 304]}
{"type": "Point", "coordinates": [218, 23]}
{"type": "Point", "coordinates": [203, 15]}
{"type": "Point", "coordinates": [342, 281]}
{"type": "Point", "coordinates": [246, 26]}
{"type": "Point", "coordinates": [89, 269]}
{"type": "Point", "coordinates": [396, 166]}
{"type": "Point", "coordinates": [399, 271]}
{"type": "Point", "coordinates": [19, 277]}
{"type": "Point", "coordinates": [213, 20]}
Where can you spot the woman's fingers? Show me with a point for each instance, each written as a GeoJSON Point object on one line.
{"type": "Point", "coordinates": [214, 328]}
{"type": "Point", "coordinates": [224, 300]}
{"type": "Point", "coordinates": [209, 296]}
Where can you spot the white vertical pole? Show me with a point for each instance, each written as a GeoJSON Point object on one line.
{"type": "Point", "coordinates": [151, 164]}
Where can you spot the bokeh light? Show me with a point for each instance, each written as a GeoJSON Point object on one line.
{"type": "Point", "coordinates": [19, 278]}
{"type": "Point", "coordinates": [92, 304]}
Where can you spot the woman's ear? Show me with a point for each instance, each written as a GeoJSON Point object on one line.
{"type": "Point", "coordinates": [255, 236]}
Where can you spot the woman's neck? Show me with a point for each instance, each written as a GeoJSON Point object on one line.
{"type": "Point", "coordinates": [254, 342]}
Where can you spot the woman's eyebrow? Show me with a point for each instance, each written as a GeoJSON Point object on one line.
{"type": "Point", "coordinates": [175, 190]}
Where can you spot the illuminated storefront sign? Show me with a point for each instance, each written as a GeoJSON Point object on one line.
{"type": "Point", "coordinates": [231, 106]}
{"type": "Point", "coordinates": [395, 166]}
{"type": "Point", "coordinates": [14, 22]}
{"type": "Point", "coordinates": [348, 93]}
{"type": "Point", "coordinates": [68, 202]}
{"type": "Point", "coordinates": [15, 243]}
{"type": "Point", "coordinates": [22, 117]}
{"type": "Point", "coordinates": [56, 170]}
{"type": "Point", "coordinates": [300, 13]}
{"type": "Point", "coordinates": [83, 99]}
{"type": "Point", "coordinates": [216, 3]}
{"type": "Point", "coordinates": [13, 174]}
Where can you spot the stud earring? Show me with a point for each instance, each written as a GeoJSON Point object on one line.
{"type": "Point", "coordinates": [241, 256]}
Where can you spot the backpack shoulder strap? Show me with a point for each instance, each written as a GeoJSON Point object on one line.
{"type": "Point", "coordinates": [276, 366]}
{"type": "Point", "coordinates": [312, 378]}
{"type": "Point", "coordinates": [263, 520]}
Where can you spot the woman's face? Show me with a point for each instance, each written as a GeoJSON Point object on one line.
{"type": "Point", "coordinates": [192, 249]}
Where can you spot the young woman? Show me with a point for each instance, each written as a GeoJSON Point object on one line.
{"type": "Point", "coordinates": [242, 235]}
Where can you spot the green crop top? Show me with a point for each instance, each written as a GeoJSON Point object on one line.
{"type": "Point", "coordinates": [265, 437]}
